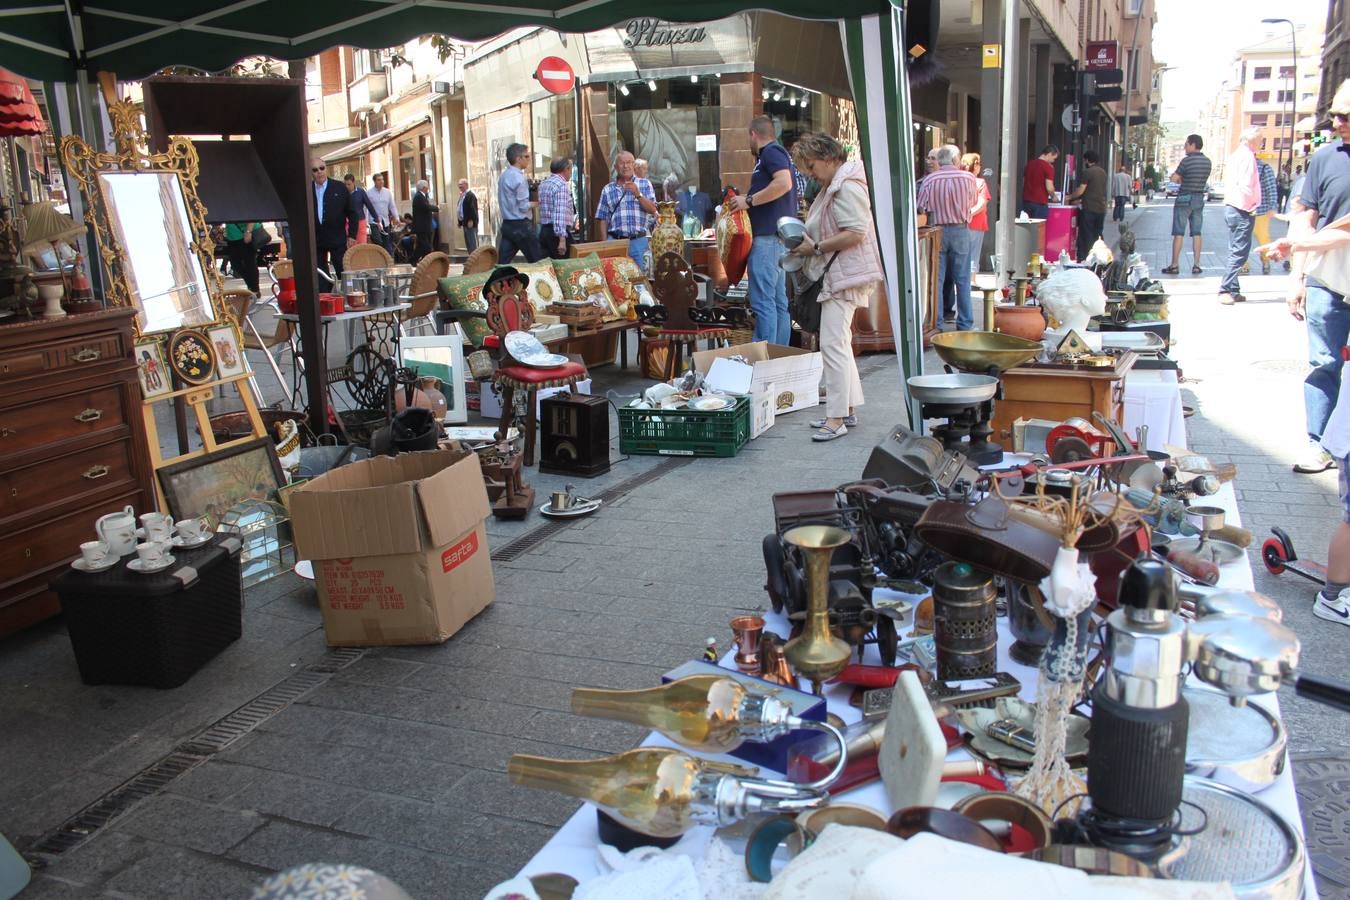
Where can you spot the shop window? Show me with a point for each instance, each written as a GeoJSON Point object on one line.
{"type": "Point", "coordinates": [554, 132]}
{"type": "Point", "coordinates": [407, 167]}
{"type": "Point", "coordinates": [663, 127]}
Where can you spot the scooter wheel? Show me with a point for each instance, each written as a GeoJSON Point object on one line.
{"type": "Point", "coordinates": [1273, 555]}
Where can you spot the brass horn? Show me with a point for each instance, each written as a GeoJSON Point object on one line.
{"type": "Point", "coordinates": [816, 653]}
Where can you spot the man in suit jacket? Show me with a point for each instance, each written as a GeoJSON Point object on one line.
{"type": "Point", "coordinates": [693, 204]}
{"type": "Point", "coordinates": [423, 221]}
{"type": "Point", "coordinates": [335, 218]}
{"type": "Point", "coordinates": [466, 212]}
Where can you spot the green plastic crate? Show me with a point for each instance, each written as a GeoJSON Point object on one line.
{"type": "Point", "coordinates": [685, 432]}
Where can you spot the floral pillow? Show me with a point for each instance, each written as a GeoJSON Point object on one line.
{"type": "Point", "coordinates": [544, 287]}
{"type": "Point", "coordinates": [622, 275]}
{"type": "Point", "coordinates": [584, 279]}
{"type": "Point", "coordinates": [465, 292]}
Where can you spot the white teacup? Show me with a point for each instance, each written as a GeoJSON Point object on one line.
{"type": "Point", "coordinates": [192, 530]}
{"type": "Point", "coordinates": [150, 552]}
{"type": "Point", "coordinates": [157, 526]}
{"type": "Point", "coordinates": [95, 553]}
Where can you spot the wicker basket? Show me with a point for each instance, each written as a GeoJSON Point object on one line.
{"type": "Point", "coordinates": [740, 336]}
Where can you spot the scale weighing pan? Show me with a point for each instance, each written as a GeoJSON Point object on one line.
{"type": "Point", "coordinates": [953, 390]}
{"type": "Point", "coordinates": [979, 351]}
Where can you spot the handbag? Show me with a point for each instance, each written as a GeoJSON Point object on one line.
{"type": "Point", "coordinates": [805, 306]}
{"type": "Point", "coordinates": [1330, 267]}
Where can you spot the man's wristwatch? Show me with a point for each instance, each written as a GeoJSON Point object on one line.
{"type": "Point", "coordinates": [749, 199]}
{"type": "Point", "coordinates": [818, 251]}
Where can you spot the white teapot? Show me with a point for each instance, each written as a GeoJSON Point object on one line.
{"type": "Point", "coordinates": [118, 531]}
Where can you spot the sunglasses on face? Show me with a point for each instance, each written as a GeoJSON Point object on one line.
{"type": "Point", "coordinates": [318, 169]}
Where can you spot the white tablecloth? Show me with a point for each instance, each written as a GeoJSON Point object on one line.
{"type": "Point", "coordinates": [573, 849]}
{"type": "Point", "coordinates": [1153, 398]}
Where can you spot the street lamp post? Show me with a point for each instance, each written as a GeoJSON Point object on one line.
{"type": "Point", "coordinates": [1293, 93]}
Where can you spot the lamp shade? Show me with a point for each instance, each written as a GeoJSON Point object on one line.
{"type": "Point", "coordinates": [44, 224]}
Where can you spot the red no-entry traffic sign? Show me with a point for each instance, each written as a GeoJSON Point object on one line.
{"type": "Point", "coordinates": [555, 75]}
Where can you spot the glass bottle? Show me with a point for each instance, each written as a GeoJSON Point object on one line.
{"type": "Point", "coordinates": [660, 791]}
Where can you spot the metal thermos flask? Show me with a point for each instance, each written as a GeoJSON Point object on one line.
{"type": "Point", "coordinates": [1137, 751]}
{"type": "Point", "coordinates": [965, 622]}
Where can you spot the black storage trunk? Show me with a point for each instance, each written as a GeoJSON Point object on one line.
{"type": "Point", "coordinates": [154, 630]}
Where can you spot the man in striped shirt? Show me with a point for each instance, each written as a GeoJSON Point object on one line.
{"type": "Point", "coordinates": [1189, 209]}
{"type": "Point", "coordinates": [557, 212]}
{"type": "Point", "coordinates": [949, 194]}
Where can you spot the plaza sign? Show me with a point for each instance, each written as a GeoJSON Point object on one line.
{"type": "Point", "coordinates": [655, 33]}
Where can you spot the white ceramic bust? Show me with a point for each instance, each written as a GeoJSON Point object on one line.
{"type": "Point", "coordinates": [1072, 296]}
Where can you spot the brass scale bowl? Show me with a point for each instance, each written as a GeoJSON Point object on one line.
{"type": "Point", "coordinates": [980, 351]}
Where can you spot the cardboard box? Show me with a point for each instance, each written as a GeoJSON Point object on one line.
{"type": "Point", "coordinates": [490, 399]}
{"type": "Point", "coordinates": [399, 546]}
{"type": "Point", "coordinates": [795, 373]}
{"type": "Point", "coordinates": [762, 410]}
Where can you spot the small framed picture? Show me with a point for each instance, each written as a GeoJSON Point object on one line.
{"type": "Point", "coordinates": [209, 486]}
{"type": "Point", "coordinates": [229, 350]}
{"type": "Point", "coordinates": [190, 354]}
{"type": "Point", "coordinates": [152, 370]}
{"type": "Point", "coordinates": [441, 356]}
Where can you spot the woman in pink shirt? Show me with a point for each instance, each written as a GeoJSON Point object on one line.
{"type": "Point", "coordinates": [979, 215]}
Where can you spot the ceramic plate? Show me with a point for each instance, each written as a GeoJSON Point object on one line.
{"type": "Point", "coordinates": [183, 544]}
{"type": "Point", "coordinates": [543, 360]}
{"type": "Point", "coordinates": [708, 404]}
{"type": "Point", "coordinates": [305, 569]}
{"type": "Point", "coordinates": [582, 508]}
{"type": "Point", "coordinates": [139, 565]}
{"type": "Point", "coordinates": [520, 344]}
{"type": "Point", "coordinates": [109, 561]}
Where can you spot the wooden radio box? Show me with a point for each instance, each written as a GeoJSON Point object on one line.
{"type": "Point", "coordinates": [574, 435]}
{"type": "Point", "coordinates": [580, 318]}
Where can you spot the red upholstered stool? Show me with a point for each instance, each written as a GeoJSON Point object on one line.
{"type": "Point", "coordinates": [509, 310]}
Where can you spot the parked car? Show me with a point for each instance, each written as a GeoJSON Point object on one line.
{"type": "Point", "coordinates": [1213, 192]}
{"type": "Point", "coordinates": [1172, 189]}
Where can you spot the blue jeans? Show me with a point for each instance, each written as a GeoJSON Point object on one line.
{"type": "Point", "coordinates": [768, 291]}
{"type": "Point", "coordinates": [637, 248]}
{"type": "Point", "coordinates": [1239, 248]}
{"type": "Point", "coordinates": [522, 235]}
{"type": "Point", "coordinates": [954, 263]}
{"type": "Point", "coordinates": [1328, 330]}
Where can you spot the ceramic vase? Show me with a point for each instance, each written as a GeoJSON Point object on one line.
{"type": "Point", "coordinates": [1022, 321]}
{"type": "Point", "coordinates": [667, 236]}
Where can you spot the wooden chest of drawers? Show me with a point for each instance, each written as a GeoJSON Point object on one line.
{"type": "Point", "coordinates": [72, 447]}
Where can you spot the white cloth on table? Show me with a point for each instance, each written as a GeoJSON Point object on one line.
{"type": "Point", "coordinates": [1152, 398]}
{"type": "Point", "coordinates": [953, 869]}
{"type": "Point", "coordinates": [832, 865]}
{"type": "Point", "coordinates": [643, 872]}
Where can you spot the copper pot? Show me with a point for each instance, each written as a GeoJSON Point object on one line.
{"type": "Point", "coordinates": [1022, 321]}
{"type": "Point", "coordinates": [747, 630]}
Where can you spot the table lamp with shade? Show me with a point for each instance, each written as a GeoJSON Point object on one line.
{"type": "Point", "coordinates": [45, 227]}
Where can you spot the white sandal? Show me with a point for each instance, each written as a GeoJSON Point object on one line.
{"type": "Point", "coordinates": [851, 421]}
{"type": "Point", "coordinates": [825, 433]}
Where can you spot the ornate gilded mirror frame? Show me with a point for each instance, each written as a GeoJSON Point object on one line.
{"type": "Point", "coordinates": [85, 165]}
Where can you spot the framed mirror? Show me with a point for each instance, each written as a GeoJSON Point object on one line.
{"type": "Point", "coordinates": [150, 226]}
{"type": "Point", "coordinates": [148, 220]}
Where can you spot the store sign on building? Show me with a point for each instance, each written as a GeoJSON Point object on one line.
{"type": "Point", "coordinates": [655, 33]}
{"type": "Point", "coordinates": [1102, 55]}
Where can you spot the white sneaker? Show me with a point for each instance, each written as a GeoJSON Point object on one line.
{"type": "Point", "coordinates": [1314, 461]}
{"type": "Point", "coordinates": [1336, 610]}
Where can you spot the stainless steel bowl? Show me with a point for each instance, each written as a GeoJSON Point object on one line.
{"type": "Point", "coordinates": [791, 231]}
{"type": "Point", "coordinates": [958, 390]}
{"type": "Point", "coordinates": [1240, 746]}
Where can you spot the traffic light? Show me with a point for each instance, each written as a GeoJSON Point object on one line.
{"type": "Point", "coordinates": [1065, 85]}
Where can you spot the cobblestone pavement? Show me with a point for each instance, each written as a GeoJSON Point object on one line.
{"type": "Point", "coordinates": [397, 760]}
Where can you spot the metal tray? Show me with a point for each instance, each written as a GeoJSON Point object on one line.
{"type": "Point", "coordinates": [958, 390]}
{"type": "Point", "coordinates": [1240, 746]}
{"type": "Point", "coordinates": [1138, 341]}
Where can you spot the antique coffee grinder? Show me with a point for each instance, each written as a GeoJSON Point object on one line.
{"type": "Point", "coordinates": [1137, 755]}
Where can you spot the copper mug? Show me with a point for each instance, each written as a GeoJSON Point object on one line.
{"type": "Point", "coordinates": [746, 630]}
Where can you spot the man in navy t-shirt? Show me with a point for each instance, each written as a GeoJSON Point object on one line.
{"type": "Point", "coordinates": [771, 196]}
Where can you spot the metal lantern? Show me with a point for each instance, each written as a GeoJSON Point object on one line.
{"type": "Point", "coordinates": [264, 529]}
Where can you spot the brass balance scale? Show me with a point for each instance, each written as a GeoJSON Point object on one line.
{"type": "Point", "coordinates": [965, 397]}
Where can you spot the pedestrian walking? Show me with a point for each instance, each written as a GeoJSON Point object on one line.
{"type": "Point", "coordinates": [1091, 194]}
{"type": "Point", "coordinates": [772, 196]}
{"type": "Point", "coordinates": [1323, 199]}
{"type": "Point", "coordinates": [466, 215]}
{"type": "Point", "coordinates": [424, 220]}
{"type": "Point", "coordinates": [334, 218]}
{"type": "Point", "coordinates": [1265, 210]}
{"type": "Point", "coordinates": [1241, 197]}
{"type": "Point", "coordinates": [949, 194]}
{"type": "Point", "coordinates": [513, 200]}
{"type": "Point", "coordinates": [557, 212]}
{"type": "Point", "coordinates": [1192, 174]}
{"type": "Point", "coordinates": [1282, 184]}
{"type": "Point", "coordinates": [1038, 183]}
{"type": "Point", "coordinates": [384, 213]}
{"type": "Point", "coordinates": [243, 249]}
{"type": "Point", "coordinates": [1121, 186]}
{"type": "Point", "coordinates": [979, 216]}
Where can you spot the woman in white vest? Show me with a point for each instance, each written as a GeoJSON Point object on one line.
{"type": "Point", "coordinates": [841, 242]}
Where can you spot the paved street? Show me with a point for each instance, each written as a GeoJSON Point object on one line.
{"type": "Point", "coordinates": [395, 757]}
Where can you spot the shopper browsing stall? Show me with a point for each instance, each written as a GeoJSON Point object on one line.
{"type": "Point", "coordinates": [625, 204]}
{"type": "Point", "coordinates": [771, 196]}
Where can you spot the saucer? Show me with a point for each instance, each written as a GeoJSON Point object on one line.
{"type": "Point", "coordinates": [183, 543]}
{"type": "Point", "coordinates": [578, 508]}
{"type": "Point", "coordinates": [82, 565]}
{"type": "Point", "coordinates": [708, 403]}
{"type": "Point", "coordinates": [140, 565]}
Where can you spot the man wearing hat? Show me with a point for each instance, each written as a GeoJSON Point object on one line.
{"type": "Point", "coordinates": [1323, 198]}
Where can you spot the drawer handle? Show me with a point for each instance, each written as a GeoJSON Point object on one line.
{"type": "Point", "coordinates": [96, 472]}
{"type": "Point", "coordinates": [6, 432]}
{"type": "Point", "coordinates": [88, 354]}
{"type": "Point", "coordinates": [89, 415]}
